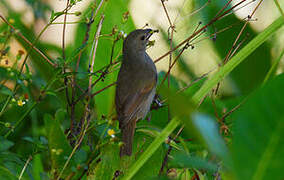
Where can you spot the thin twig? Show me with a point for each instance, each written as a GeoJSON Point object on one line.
{"type": "Point", "coordinates": [191, 44]}
{"type": "Point", "coordinates": [224, 7]}
{"type": "Point", "coordinates": [99, 7]}
{"type": "Point", "coordinates": [99, 91]}
{"type": "Point", "coordinates": [214, 107]}
{"type": "Point", "coordinates": [194, 12]}
{"type": "Point", "coordinates": [28, 42]}
{"type": "Point", "coordinates": [88, 29]}
{"type": "Point", "coordinates": [279, 7]}
{"type": "Point", "coordinates": [167, 14]}
{"type": "Point", "coordinates": [63, 54]}
{"type": "Point", "coordinates": [28, 53]}
{"type": "Point", "coordinates": [193, 82]}
{"type": "Point", "coordinates": [171, 66]}
{"type": "Point", "coordinates": [87, 113]}
{"type": "Point", "coordinates": [234, 11]}
{"type": "Point", "coordinates": [102, 76]}
{"type": "Point", "coordinates": [64, 28]}
{"type": "Point", "coordinates": [25, 167]}
{"type": "Point", "coordinates": [165, 161]}
{"type": "Point", "coordinates": [96, 40]}
{"type": "Point", "coordinates": [237, 39]}
{"type": "Point", "coordinates": [200, 30]}
{"type": "Point", "coordinates": [73, 151]}
{"type": "Point", "coordinates": [241, 32]}
{"type": "Point", "coordinates": [232, 110]}
{"type": "Point", "coordinates": [188, 86]}
{"type": "Point", "coordinates": [172, 27]}
{"type": "Point", "coordinates": [74, 84]}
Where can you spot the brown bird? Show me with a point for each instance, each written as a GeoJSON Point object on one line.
{"type": "Point", "coordinates": [136, 85]}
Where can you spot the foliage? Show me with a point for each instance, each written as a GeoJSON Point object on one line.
{"type": "Point", "coordinates": [57, 117]}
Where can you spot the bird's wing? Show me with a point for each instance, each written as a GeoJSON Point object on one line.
{"type": "Point", "coordinates": [129, 105]}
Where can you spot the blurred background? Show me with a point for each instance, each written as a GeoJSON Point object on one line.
{"type": "Point", "coordinates": [34, 113]}
{"type": "Point", "coordinates": [184, 14]}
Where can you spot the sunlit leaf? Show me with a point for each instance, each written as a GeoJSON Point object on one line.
{"type": "Point", "coordinates": [258, 146]}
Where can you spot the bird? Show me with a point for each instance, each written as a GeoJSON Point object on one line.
{"type": "Point", "coordinates": [135, 86]}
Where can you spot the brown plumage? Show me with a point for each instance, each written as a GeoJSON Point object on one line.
{"type": "Point", "coordinates": [136, 85]}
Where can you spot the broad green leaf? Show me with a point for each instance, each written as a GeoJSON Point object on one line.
{"type": "Point", "coordinates": [5, 144]}
{"type": "Point", "coordinates": [258, 148]}
{"type": "Point", "coordinates": [5, 90]}
{"type": "Point", "coordinates": [6, 174]}
{"type": "Point", "coordinates": [113, 14]}
{"type": "Point", "coordinates": [181, 160]}
{"type": "Point", "coordinates": [58, 145]}
{"type": "Point", "coordinates": [37, 167]}
{"type": "Point", "coordinates": [209, 134]}
{"type": "Point", "coordinates": [11, 166]}
{"type": "Point", "coordinates": [151, 149]}
{"type": "Point", "coordinates": [273, 68]}
{"type": "Point", "coordinates": [3, 73]}
{"type": "Point", "coordinates": [153, 165]}
{"type": "Point", "coordinates": [108, 165]}
{"type": "Point", "coordinates": [113, 11]}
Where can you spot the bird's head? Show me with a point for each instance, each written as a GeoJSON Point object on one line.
{"type": "Point", "coordinates": [137, 40]}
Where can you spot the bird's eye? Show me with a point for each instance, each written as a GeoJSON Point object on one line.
{"type": "Point", "coordinates": [143, 37]}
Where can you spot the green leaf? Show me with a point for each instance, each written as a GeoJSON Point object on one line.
{"type": "Point", "coordinates": [209, 134]}
{"type": "Point", "coordinates": [60, 115]}
{"type": "Point", "coordinates": [113, 11]}
{"type": "Point", "coordinates": [76, 53]}
{"type": "Point", "coordinates": [37, 166]}
{"type": "Point", "coordinates": [5, 90]}
{"type": "Point", "coordinates": [258, 148]}
{"type": "Point", "coordinates": [5, 144]}
{"type": "Point", "coordinates": [151, 148]}
{"type": "Point", "coordinates": [11, 166]}
{"type": "Point", "coordinates": [273, 68]}
{"type": "Point", "coordinates": [3, 73]}
{"type": "Point", "coordinates": [173, 81]}
{"type": "Point", "coordinates": [58, 145]}
{"type": "Point", "coordinates": [182, 160]}
{"type": "Point", "coordinates": [6, 174]}
{"type": "Point", "coordinates": [109, 163]}
{"type": "Point", "coordinates": [153, 165]}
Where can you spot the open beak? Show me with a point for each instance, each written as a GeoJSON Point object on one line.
{"type": "Point", "coordinates": [149, 33]}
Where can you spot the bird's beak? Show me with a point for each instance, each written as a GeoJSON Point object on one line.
{"type": "Point", "coordinates": [149, 33]}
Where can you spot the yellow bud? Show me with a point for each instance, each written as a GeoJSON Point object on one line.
{"type": "Point", "coordinates": [111, 132]}
{"type": "Point", "coordinates": [12, 21]}
{"type": "Point", "coordinates": [20, 103]}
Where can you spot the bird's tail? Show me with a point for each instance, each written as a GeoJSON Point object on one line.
{"type": "Point", "coordinates": [127, 138]}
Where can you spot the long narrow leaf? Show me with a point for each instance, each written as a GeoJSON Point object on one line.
{"type": "Point", "coordinates": [237, 59]}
